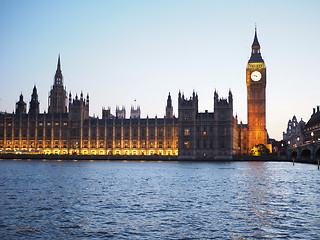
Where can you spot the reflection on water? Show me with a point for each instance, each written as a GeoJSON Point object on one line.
{"type": "Point", "coordinates": [158, 200]}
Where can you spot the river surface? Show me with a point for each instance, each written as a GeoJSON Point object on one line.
{"type": "Point", "coordinates": [158, 200]}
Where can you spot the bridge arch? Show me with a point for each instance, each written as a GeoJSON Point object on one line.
{"type": "Point", "coordinates": [317, 154]}
{"type": "Point", "coordinates": [294, 156]}
{"type": "Point", "coordinates": [306, 154]}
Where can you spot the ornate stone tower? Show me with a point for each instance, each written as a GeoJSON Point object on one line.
{"type": "Point", "coordinates": [187, 114]}
{"type": "Point", "coordinates": [78, 108]}
{"type": "Point", "coordinates": [58, 94]}
{"type": "Point", "coordinates": [21, 106]}
{"type": "Point", "coordinates": [169, 108]}
{"type": "Point", "coordinates": [256, 96]}
{"type": "Point", "coordinates": [34, 103]}
{"type": "Point", "coordinates": [223, 125]}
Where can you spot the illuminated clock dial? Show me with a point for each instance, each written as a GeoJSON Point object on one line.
{"type": "Point", "coordinates": [256, 76]}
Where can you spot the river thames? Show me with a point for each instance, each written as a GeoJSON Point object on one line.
{"type": "Point", "coordinates": [158, 200]}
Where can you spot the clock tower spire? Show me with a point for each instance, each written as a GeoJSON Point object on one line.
{"type": "Point", "coordinates": [256, 96]}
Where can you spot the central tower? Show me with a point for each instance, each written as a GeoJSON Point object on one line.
{"type": "Point", "coordinates": [58, 94]}
{"type": "Point", "coordinates": [256, 96]}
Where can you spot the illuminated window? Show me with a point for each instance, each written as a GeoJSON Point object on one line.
{"type": "Point", "coordinates": [187, 132]}
{"type": "Point", "coordinates": [204, 133]}
{"type": "Point", "coordinates": [186, 144]}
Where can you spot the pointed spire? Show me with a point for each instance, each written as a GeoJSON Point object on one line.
{"type": "Point", "coordinates": [21, 97]}
{"type": "Point", "coordinates": [255, 40]}
{"type": "Point", "coordinates": [59, 66]}
{"type": "Point", "coordinates": [255, 50]}
{"type": "Point", "coordinates": [169, 101]}
{"type": "Point", "coordinates": [34, 92]}
{"type": "Point", "coordinates": [58, 78]}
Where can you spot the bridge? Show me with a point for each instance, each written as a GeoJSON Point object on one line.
{"type": "Point", "coordinates": [305, 153]}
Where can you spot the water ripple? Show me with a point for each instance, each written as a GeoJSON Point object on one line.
{"type": "Point", "coordinates": [151, 200]}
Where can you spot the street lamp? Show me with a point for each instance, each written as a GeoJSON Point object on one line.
{"type": "Point", "coordinates": [312, 134]}
{"type": "Point", "coordinates": [298, 139]}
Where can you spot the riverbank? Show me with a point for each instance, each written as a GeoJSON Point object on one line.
{"type": "Point", "coordinates": [146, 158]}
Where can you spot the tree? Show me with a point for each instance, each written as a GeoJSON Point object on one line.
{"type": "Point", "coordinates": [260, 150]}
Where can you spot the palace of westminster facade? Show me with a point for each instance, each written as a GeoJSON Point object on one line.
{"type": "Point", "coordinates": [70, 130]}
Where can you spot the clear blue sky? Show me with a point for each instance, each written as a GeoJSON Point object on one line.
{"type": "Point", "coordinates": [119, 51]}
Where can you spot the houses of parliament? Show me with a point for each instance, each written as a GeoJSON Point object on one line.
{"type": "Point", "coordinates": [67, 128]}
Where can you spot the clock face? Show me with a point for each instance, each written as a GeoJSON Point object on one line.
{"type": "Point", "coordinates": [256, 76]}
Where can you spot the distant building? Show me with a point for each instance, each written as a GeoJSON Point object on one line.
{"type": "Point", "coordinates": [312, 128]}
{"type": "Point", "coordinates": [294, 136]}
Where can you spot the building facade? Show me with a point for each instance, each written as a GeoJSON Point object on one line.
{"type": "Point", "coordinates": [72, 131]}
{"type": "Point", "coordinates": [207, 134]}
{"type": "Point", "coordinates": [312, 127]}
{"type": "Point", "coordinates": [67, 127]}
{"type": "Point", "coordinates": [294, 135]}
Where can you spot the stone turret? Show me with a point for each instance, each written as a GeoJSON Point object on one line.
{"type": "Point", "coordinates": [21, 106]}
{"type": "Point", "coordinates": [34, 103]}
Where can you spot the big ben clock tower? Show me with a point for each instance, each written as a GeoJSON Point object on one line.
{"type": "Point", "coordinates": [256, 96]}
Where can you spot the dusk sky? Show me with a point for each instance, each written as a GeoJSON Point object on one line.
{"type": "Point", "coordinates": [119, 51]}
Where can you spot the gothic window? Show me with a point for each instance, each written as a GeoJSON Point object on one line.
{"type": "Point", "coordinates": [135, 132]}
{"type": "Point", "coordinates": [101, 135]}
{"type": "Point", "coordinates": [85, 132]}
{"type": "Point", "coordinates": [186, 131]}
{"type": "Point", "coordinates": [8, 133]}
{"type": "Point", "coordinates": [109, 132]}
{"type": "Point", "coordinates": [169, 132]}
{"type": "Point", "coordinates": [32, 132]}
{"type": "Point", "coordinates": [118, 132]}
{"type": "Point", "coordinates": [160, 132]}
{"type": "Point", "coordinates": [151, 133]}
{"type": "Point", "coordinates": [143, 132]}
{"type": "Point", "coordinates": [126, 132]}
{"type": "Point", "coordinates": [56, 133]}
